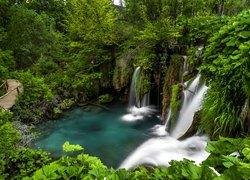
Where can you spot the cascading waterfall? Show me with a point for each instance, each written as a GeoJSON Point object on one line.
{"type": "Point", "coordinates": [185, 64]}
{"type": "Point", "coordinates": [161, 130]}
{"type": "Point", "coordinates": [193, 97]}
{"type": "Point", "coordinates": [159, 151]}
{"type": "Point", "coordinates": [185, 67]}
{"type": "Point", "coordinates": [168, 118]}
{"type": "Point", "coordinates": [133, 99]}
{"type": "Point", "coordinates": [137, 108]}
{"type": "Point", "coordinates": [145, 100]}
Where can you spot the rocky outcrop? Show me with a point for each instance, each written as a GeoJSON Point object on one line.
{"type": "Point", "coordinates": [194, 126]}
{"type": "Point", "coordinates": [172, 77]}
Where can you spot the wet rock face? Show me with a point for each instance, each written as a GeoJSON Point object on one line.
{"type": "Point", "coordinates": [194, 126]}
{"type": "Point", "coordinates": [172, 77]}
{"type": "Point", "coordinates": [245, 116]}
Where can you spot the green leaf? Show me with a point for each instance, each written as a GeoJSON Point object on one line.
{"type": "Point", "coordinates": [224, 145]}
{"type": "Point", "coordinates": [70, 148]}
{"type": "Point", "coordinates": [230, 174]}
{"type": "Point", "coordinates": [244, 34]}
{"type": "Point", "coordinates": [246, 153]}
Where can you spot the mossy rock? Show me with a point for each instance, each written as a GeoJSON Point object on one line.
{"type": "Point", "coordinates": [175, 102]}
{"type": "Point", "coordinates": [172, 77]}
{"type": "Point", "coordinates": [105, 98]}
{"type": "Point", "coordinates": [143, 84]}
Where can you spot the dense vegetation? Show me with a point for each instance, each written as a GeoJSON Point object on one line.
{"type": "Point", "coordinates": [76, 51]}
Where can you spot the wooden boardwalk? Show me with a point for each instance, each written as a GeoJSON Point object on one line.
{"type": "Point", "coordinates": [13, 88]}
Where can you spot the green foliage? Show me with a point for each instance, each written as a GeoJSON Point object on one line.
{"type": "Point", "coordinates": [6, 59]}
{"type": "Point", "coordinates": [84, 166]}
{"type": "Point", "coordinates": [143, 84]}
{"type": "Point", "coordinates": [55, 9]}
{"type": "Point", "coordinates": [30, 35]}
{"type": "Point", "coordinates": [92, 21]}
{"type": "Point", "coordinates": [35, 92]}
{"type": "Point", "coordinates": [57, 110]}
{"type": "Point", "coordinates": [67, 103]}
{"type": "Point", "coordinates": [175, 102]}
{"type": "Point", "coordinates": [6, 56]}
{"type": "Point", "coordinates": [45, 66]}
{"type": "Point", "coordinates": [91, 29]}
{"type": "Point", "coordinates": [70, 148]}
{"type": "Point", "coordinates": [219, 115]}
{"type": "Point", "coordinates": [201, 28]}
{"type": "Point", "coordinates": [124, 66]}
{"type": "Point", "coordinates": [188, 170]}
{"type": "Point", "coordinates": [36, 89]}
{"type": "Point", "coordinates": [225, 68]}
{"type": "Point", "coordinates": [24, 162]}
{"type": "Point", "coordinates": [105, 98]}
{"type": "Point", "coordinates": [222, 159]}
{"type": "Point", "coordinates": [9, 136]}
{"type": "Point", "coordinates": [137, 11]}
{"type": "Point", "coordinates": [172, 77]}
{"type": "Point", "coordinates": [97, 43]}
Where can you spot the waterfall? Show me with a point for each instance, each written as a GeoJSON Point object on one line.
{"type": "Point", "coordinates": [161, 130]}
{"type": "Point", "coordinates": [159, 151]}
{"type": "Point", "coordinates": [133, 99]}
{"type": "Point", "coordinates": [137, 108]}
{"type": "Point", "coordinates": [191, 104]}
{"type": "Point", "coordinates": [145, 100]}
{"type": "Point", "coordinates": [185, 64]}
{"type": "Point", "coordinates": [168, 118]}
{"type": "Point", "coordinates": [185, 67]}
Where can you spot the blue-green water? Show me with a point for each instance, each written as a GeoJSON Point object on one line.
{"type": "Point", "coordinates": [102, 133]}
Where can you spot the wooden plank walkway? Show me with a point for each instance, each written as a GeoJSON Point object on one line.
{"type": "Point", "coordinates": [13, 89]}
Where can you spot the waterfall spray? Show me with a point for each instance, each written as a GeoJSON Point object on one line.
{"type": "Point", "coordinates": [187, 112]}
{"type": "Point", "coordinates": [159, 151]}
{"type": "Point", "coordinates": [137, 108]}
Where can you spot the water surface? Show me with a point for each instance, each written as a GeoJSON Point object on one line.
{"type": "Point", "coordinates": [102, 133]}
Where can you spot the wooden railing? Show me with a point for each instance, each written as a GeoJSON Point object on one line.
{"type": "Point", "coordinates": [16, 88]}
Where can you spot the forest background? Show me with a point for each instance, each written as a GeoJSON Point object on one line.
{"type": "Point", "coordinates": [77, 51]}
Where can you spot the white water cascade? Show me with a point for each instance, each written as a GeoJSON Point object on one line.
{"type": "Point", "coordinates": [185, 67]}
{"type": "Point", "coordinates": [137, 108]}
{"type": "Point", "coordinates": [159, 151]}
{"type": "Point", "coordinates": [133, 99]}
{"type": "Point", "coordinates": [193, 97]}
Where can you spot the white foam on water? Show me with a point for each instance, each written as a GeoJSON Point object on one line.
{"type": "Point", "coordinates": [161, 150]}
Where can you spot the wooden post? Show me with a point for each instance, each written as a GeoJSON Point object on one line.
{"type": "Point", "coordinates": [6, 85]}
{"type": "Point", "coordinates": [17, 88]}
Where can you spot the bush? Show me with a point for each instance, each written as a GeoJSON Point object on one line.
{"type": "Point", "coordinates": [87, 167]}
{"type": "Point", "coordinates": [226, 71]}
{"type": "Point", "coordinates": [25, 161]}
{"type": "Point", "coordinates": [32, 103]}
{"type": "Point", "coordinates": [106, 98]}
